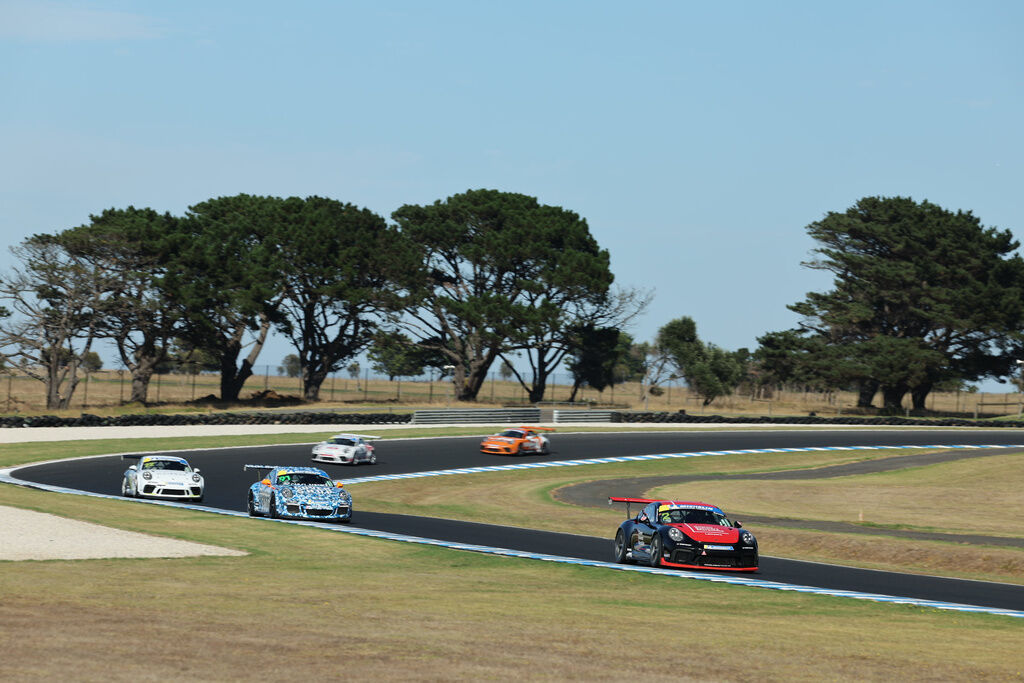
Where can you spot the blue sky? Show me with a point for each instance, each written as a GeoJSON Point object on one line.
{"type": "Point", "coordinates": [697, 139]}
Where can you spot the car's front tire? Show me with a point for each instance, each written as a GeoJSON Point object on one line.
{"type": "Point", "coordinates": [621, 551]}
{"type": "Point", "coordinates": [272, 508]}
{"type": "Point", "coordinates": [655, 557]}
{"type": "Point", "coordinates": [251, 505]}
{"type": "Point", "coordinates": [125, 490]}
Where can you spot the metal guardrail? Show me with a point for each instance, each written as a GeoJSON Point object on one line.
{"type": "Point", "coordinates": [586, 416]}
{"type": "Point", "coordinates": [478, 415]}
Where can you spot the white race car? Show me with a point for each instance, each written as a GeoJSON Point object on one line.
{"type": "Point", "coordinates": [162, 476]}
{"type": "Point", "coordinates": [346, 449]}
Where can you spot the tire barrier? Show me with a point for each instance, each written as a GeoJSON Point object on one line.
{"type": "Point", "coordinates": [682, 417]}
{"type": "Point", "coordinates": [151, 420]}
{"type": "Point", "coordinates": [307, 418]}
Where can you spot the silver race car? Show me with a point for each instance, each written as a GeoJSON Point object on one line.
{"type": "Point", "coordinates": [166, 477]}
{"type": "Point", "coordinates": [346, 449]}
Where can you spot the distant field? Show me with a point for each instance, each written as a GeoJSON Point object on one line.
{"type": "Point", "coordinates": [105, 392]}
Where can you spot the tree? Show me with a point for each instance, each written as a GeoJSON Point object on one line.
{"type": "Point", "coordinates": [290, 366]}
{"type": "Point", "coordinates": [58, 301]}
{"type": "Point", "coordinates": [395, 355]}
{"type": "Point", "coordinates": [336, 266]}
{"type": "Point", "coordinates": [131, 245]}
{"type": "Point", "coordinates": [921, 296]}
{"type": "Point", "coordinates": [708, 370]}
{"type": "Point", "coordinates": [505, 370]}
{"type": "Point", "coordinates": [501, 273]}
{"type": "Point", "coordinates": [224, 282]}
{"type": "Point", "coordinates": [596, 355]}
{"type": "Point", "coordinates": [91, 362]}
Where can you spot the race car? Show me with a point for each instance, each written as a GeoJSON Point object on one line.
{"type": "Point", "coordinates": [518, 440]}
{"type": "Point", "coordinates": [299, 493]}
{"type": "Point", "coordinates": [672, 533]}
{"type": "Point", "coordinates": [162, 476]}
{"type": "Point", "coordinates": [346, 449]}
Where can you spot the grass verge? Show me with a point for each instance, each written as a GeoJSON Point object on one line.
{"type": "Point", "coordinates": [329, 605]}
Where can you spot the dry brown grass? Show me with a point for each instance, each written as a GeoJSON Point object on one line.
{"type": "Point", "coordinates": [106, 391]}
{"type": "Point", "coordinates": [977, 496]}
{"type": "Point", "coordinates": [317, 605]}
{"type": "Point", "coordinates": [941, 497]}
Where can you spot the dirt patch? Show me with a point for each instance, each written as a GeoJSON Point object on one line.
{"type": "Point", "coordinates": [30, 535]}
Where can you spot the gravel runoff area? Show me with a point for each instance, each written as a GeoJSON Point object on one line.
{"type": "Point", "coordinates": [30, 535]}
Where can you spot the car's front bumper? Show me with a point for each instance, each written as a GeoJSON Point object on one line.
{"type": "Point", "coordinates": [738, 558]}
{"type": "Point", "coordinates": [337, 459]}
{"type": "Point", "coordinates": [171, 491]}
{"type": "Point", "coordinates": [314, 511]}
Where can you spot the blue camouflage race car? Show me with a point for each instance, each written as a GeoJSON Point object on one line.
{"type": "Point", "coordinates": [298, 493]}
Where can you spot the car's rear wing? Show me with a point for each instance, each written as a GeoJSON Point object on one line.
{"type": "Point", "coordinates": [630, 501]}
{"type": "Point", "coordinates": [537, 429]}
{"type": "Point", "coordinates": [131, 456]}
{"type": "Point", "coordinates": [265, 468]}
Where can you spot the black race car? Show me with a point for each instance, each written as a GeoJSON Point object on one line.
{"type": "Point", "coordinates": [690, 535]}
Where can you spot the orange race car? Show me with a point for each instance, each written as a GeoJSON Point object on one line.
{"type": "Point", "coordinates": [517, 441]}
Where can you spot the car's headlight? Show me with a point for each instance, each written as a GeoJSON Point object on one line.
{"type": "Point", "coordinates": [747, 537]}
{"type": "Point", "coordinates": [196, 478]}
{"type": "Point", "coordinates": [147, 475]}
{"type": "Point", "coordinates": [676, 535]}
{"type": "Point", "coordinates": [287, 493]}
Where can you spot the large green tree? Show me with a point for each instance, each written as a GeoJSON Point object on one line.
{"type": "Point", "coordinates": [501, 274]}
{"type": "Point", "coordinates": [224, 281]}
{"type": "Point", "coordinates": [337, 265]}
{"type": "Point", "coordinates": [921, 295]}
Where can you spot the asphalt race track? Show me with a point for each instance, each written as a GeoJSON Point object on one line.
{"type": "Point", "coordinates": [227, 485]}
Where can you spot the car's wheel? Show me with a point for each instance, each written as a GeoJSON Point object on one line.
{"type": "Point", "coordinates": [124, 487]}
{"type": "Point", "coordinates": [621, 551]}
{"type": "Point", "coordinates": [272, 508]}
{"type": "Point", "coordinates": [655, 559]}
{"type": "Point", "coordinates": [545, 449]}
{"type": "Point", "coordinates": [373, 458]}
{"type": "Point", "coordinates": [252, 506]}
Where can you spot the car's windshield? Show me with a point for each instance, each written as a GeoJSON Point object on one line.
{"type": "Point", "coordinates": [304, 478]}
{"type": "Point", "coordinates": [341, 442]}
{"type": "Point", "coordinates": [513, 433]}
{"type": "Point", "coordinates": [176, 465]}
{"type": "Point", "coordinates": [692, 516]}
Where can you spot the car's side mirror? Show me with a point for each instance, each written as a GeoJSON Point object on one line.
{"type": "Point", "coordinates": [737, 525]}
{"type": "Point", "coordinates": [197, 470]}
{"type": "Point", "coordinates": [265, 482]}
{"type": "Point", "coordinates": [339, 485]}
{"type": "Point", "coordinates": [133, 468]}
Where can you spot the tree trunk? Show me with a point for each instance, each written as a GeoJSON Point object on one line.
{"type": "Point", "coordinates": [866, 393]}
{"type": "Point", "coordinates": [141, 374]}
{"type": "Point", "coordinates": [919, 395]}
{"type": "Point", "coordinates": [892, 395]}
{"type": "Point", "coordinates": [231, 379]}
